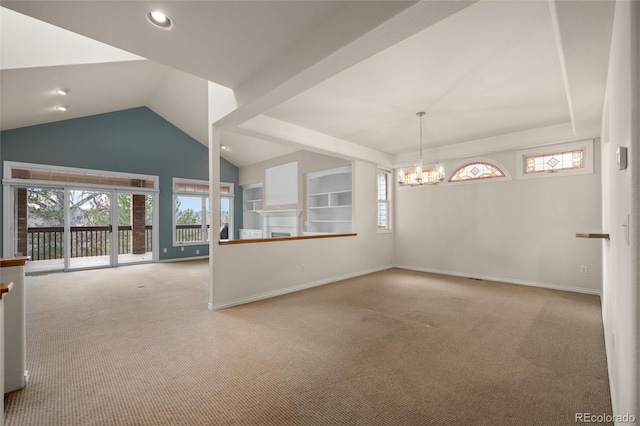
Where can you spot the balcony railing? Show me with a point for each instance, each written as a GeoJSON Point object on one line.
{"type": "Point", "coordinates": [189, 233]}
{"type": "Point", "coordinates": [46, 243]}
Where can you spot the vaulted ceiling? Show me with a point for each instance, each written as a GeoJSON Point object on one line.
{"type": "Point", "coordinates": [333, 76]}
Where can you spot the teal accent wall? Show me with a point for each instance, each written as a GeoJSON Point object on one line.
{"type": "Point", "coordinates": [132, 141]}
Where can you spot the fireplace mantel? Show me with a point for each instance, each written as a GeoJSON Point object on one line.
{"type": "Point", "coordinates": [281, 222]}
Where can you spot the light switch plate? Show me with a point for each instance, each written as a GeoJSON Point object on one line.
{"type": "Point", "coordinates": [621, 158]}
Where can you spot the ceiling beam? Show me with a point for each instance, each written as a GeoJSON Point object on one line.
{"type": "Point", "coordinates": [274, 130]}
{"type": "Point", "coordinates": [290, 75]}
{"type": "Point", "coordinates": [583, 36]}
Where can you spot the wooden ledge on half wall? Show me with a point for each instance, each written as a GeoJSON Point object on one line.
{"type": "Point", "coordinates": [274, 239]}
{"type": "Point", "coordinates": [6, 262]}
{"type": "Point", "coordinates": [598, 234]}
{"type": "Point", "coordinates": [5, 288]}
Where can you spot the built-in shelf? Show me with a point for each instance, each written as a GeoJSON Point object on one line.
{"type": "Point", "coordinates": [252, 204]}
{"type": "Point", "coordinates": [329, 201]}
{"type": "Point", "coordinates": [592, 235]}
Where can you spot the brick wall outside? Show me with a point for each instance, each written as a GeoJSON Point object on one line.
{"type": "Point", "coordinates": [138, 233]}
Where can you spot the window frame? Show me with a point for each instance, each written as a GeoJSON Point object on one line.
{"type": "Point", "coordinates": [587, 157]}
{"type": "Point", "coordinates": [388, 173]}
{"type": "Point", "coordinates": [203, 212]}
{"type": "Point", "coordinates": [473, 160]}
{"type": "Point", "coordinates": [230, 195]}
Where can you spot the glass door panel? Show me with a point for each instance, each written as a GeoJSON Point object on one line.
{"type": "Point", "coordinates": [135, 225]}
{"type": "Point", "coordinates": [90, 229]}
{"type": "Point", "coordinates": [226, 233]}
{"type": "Point", "coordinates": [39, 226]}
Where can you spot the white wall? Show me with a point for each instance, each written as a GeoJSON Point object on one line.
{"type": "Point", "coordinates": [246, 272]}
{"type": "Point", "coordinates": [519, 231]}
{"type": "Point", "coordinates": [620, 299]}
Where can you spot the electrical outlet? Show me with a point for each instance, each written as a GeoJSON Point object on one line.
{"type": "Point", "coordinates": [583, 269]}
{"type": "Point", "coordinates": [197, 251]}
{"type": "Point", "coordinates": [164, 250]}
{"type": "Point", "coordinates": [181, 248]}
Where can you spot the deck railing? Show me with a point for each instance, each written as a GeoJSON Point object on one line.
{"type": "Point", "coordinates": [46, 243]}
{"type": "Point", "coordinates": [188, 233]}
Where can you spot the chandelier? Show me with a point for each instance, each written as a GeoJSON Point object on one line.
{"type": "Point", "coordinates": [416, 175]}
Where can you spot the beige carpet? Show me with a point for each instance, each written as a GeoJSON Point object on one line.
{"type": "Point", "coordinates": [136, 345]}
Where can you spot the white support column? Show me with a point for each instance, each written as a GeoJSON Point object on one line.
{"type": "Point", "coordinates": [214, 203]}
{"type": "Point", "coordinates": [15, 373]}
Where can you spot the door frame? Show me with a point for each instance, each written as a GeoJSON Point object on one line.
{"type": "Point", "coordinates": [9, 207]}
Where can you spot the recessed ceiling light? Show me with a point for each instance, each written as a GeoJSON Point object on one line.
{"type": "Point", "coordinates": [226, 148]}
{"type": "Point", "coordinates": [62, 107]}
{"type": "Point", "coordinates": [62, 92]}
{"type": "Point", "coordinates": [160, 20]}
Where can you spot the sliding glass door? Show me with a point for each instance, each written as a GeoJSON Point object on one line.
{"type": "Point", "coordinates": [39, 217]}
{"type": "Point", "coordinates": [135, 225]}
{"type": "Point", "coordinates": [90, 229]}
{"type": "Point", "coordinates": [66, 218]}
{"type": "Point", "coordinates": [69, 229]}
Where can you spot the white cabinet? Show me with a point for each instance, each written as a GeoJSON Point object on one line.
{"type": "Point", "coordinates": [251, 204]}
{"type": "Point", "coordinates": [329, 200]}
{"type": "Point", "coordinates": [251, 234]}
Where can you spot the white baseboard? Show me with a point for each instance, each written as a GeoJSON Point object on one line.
{"type": "Point", "coordinates": [184, 259]}
{"type": "Point", "coordinates": [280, 292]}
{"type": "Point", "coordinates": [503, 280]}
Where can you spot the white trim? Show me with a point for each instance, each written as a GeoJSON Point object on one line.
{"type": "Point", "coordinates": [9, 165]}
{"type": "Point", "coordinates": [183, 259]}
{"type": "Point", "coordinates": [389, 200]}
{"type": "Point", "coordinates": [187, 181]}
{"type": "Point", "coordinates": [526, 139]}
{"type": "Point", "coordinates": [586, 146]}
{"type": "Point", "coordinates": [292, 289]}
{"type": "Point", "coordinates": [502, 280]}
{"type": "Point", "coordinates": [203, 213]}
{"type": "Point", "coordinates": [9, 184]}
{"type": "Point", "coordinates": [203, 225]}
{"type": "Point", "coordinates": [24, 183]}
{"type": "Point", "coordinates": [563, 63]}
{"type": "Point", "coordinates": [337, 170]}
{"type": "Point", "coordinates": [231, 197]}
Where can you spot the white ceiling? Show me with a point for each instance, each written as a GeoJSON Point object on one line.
{"type": "Point", "coordinates": [491, 69]}
{"type": "Point", "coordinates": [351, 74]}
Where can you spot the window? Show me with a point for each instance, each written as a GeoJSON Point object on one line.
{"type": "Point", "coordinates": [559, 160]}
{"type": "Point", "coordinates": [477, 170]}
{"type": "Point", "coordinates": [384, 200]}
{"type": "Point", "coordinates": [190, 216]}
{"type": "Point", "coordinates": [226, 211]}
{"type": "Point", "coordinates": [568, 160]}
{"type": "Point", "coordinates": [191, 213]}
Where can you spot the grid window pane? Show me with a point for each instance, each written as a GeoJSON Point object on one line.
{"type": "Point", "coordinates": [569, 160]}
{"type": "Point", "coordinates": [383, 199]}
{"type": "Point", "coordinates": [479, 171]}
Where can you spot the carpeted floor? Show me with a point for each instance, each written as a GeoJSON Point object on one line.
{"type": "Point", "coordinates": [136, 345]}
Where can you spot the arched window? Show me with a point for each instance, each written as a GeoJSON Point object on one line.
{"type": "Point", "coordinates": [477, 170]}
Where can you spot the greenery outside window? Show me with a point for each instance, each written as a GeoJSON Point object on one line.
{"type": "Point", "coordinates": [191, 212]}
